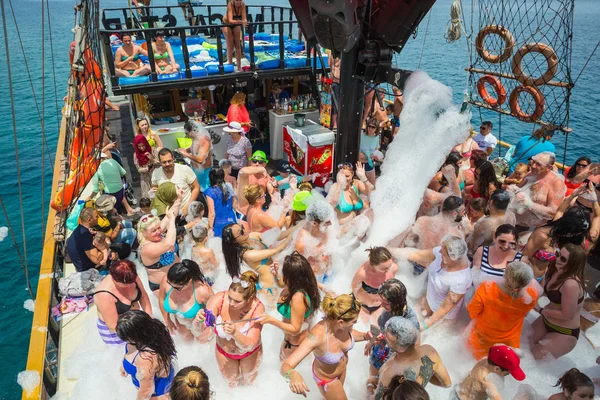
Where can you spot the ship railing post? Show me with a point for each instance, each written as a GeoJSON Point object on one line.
{"type": "Point", "coordinates": [148, 38]}
{"type": "Point", "coordinates": [220, 53]}
{"type": "Point", "coordinates": [281, 45]}
{"type": "Point", "coordinates": [186, 54]}
{"type": "Point", "coordinates": [251, 46]}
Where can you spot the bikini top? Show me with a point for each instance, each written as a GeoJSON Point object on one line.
{"type": "Point", "coordinates": [334, 358]}
{"type": "Point", "coordinates": [158, 56]}
{"type": "Point", "coordinates": [264, 260]}
{"type": "Point", "coordinates": [135, 57]}
{"type": "Point", "coordinates": [285, 309]}
{"type": "Point", "coordinates": [555, 296]}
{"type": "Point", "coordinates": [244, 330]}
{"type": "Point", "coordinates": [165, 259]}
{"type": "Point", "coordinates": [162, 385]}
{"type": "Point", "coordinates": [122, 308]}
{"type": "Point", "coordinates": [488, 268]}
{"type": "Point", "coordinates": [346, 207]}
{"type": "Point", "coordinates": [190, 313]}
{"type": "Point", "coordinates": [250, 223]}
{"type": "Point", "coordinates": [369, 289]}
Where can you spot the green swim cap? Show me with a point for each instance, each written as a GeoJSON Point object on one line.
{"type": "Point", "coordinates": [300, 199]}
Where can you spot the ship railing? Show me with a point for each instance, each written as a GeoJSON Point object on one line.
{"type": "Point", "coordinates": [205, 19]}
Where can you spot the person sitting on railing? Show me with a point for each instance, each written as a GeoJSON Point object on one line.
{"type": "Point", "coordinates": [164, 60]}
{"type": "Point", "coordinates": [235, 16]}
{"type": "Point", "coordinates": [127, 59]}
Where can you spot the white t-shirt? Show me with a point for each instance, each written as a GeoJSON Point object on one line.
{"type": "Point", "coordinates": [440, 282]}
{"type": "Point", "coordinates": [183, 177]}
{"type": "Point", "coordinates": [485, 142]}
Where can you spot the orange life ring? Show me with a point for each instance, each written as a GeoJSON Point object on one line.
{"type": "Point", "coordinates": [551, 60]}
{"type": "Point", "coordinates": [498, 87]}
{"type": "Point", "coordinates": [77, 180]}
{"type": "Point", "coordinates": [509, 43]}
{"type": "Point", "coordinates": [538, 97]}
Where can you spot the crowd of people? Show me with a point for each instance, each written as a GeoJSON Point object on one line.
{"type": "Point", "coordinates": [264, 247]}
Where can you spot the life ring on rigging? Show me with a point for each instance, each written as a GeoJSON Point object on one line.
{"type": "Point", "coordinates": [78, 179]}
{"type": "Point", "coordinates": [538, 97]}
{"type": "Point", "coordinates": [498, 87]}
{"type": "Point", "coordinates": [551, 60]}
{"type": "Point", "coordinates": [509, 43]}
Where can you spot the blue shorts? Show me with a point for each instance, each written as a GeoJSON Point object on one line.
{"type": "Point", "coordinates": [202, 176]}
{"type": "Point", "coordinates": [368, 167]}
{"type": "Point", "coordinates": [380, 353]}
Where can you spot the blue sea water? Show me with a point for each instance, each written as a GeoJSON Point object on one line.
{"type": "Point", "coordinates": [444, 62]}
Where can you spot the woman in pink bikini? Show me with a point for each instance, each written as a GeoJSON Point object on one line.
{"type": "Point", "coordinates": [330, 340]}
{"type": "Point", "coordinates": [239, 347]}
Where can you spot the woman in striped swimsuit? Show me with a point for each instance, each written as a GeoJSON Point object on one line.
{"type": "Point", "coordinates": [491, 260]}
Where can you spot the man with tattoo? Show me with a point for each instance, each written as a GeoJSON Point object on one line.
{"type": "Point", "coordinates": [486, 379]}
{"type": "Point", "coordinates": [421, 364]}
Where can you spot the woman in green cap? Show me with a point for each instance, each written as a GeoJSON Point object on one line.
{"type": "Point", "coordinates": [164, 197]}
{"type": "Point", "coordinates": [299, 205]}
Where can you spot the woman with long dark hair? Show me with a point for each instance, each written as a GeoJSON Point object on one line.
{"type": "Point", "coordinates": [183, 293]}
{"type": "Point", "coordinates": [238, 344]}
{"type": "Point", "coordinates": [401, 388]}
{"type": "Point", "coordinates": [579, 169]}
{"type": "Point", "coordinates": [574, 385]}
{"type": "Point", "coordinates": [484, 183]}
{"type": "Point", "coordinates": [220, 200]}
{"type": "Point", "coordinates": [240, 245]}
{"type": "Point", "coordinates": [299, 300]}
{"type": "Point", "coordinates": [556, 331]}
{"type": "Point", "coordinates": [439, 183]}
{"type": "Point", "coordinates": [392, 294]}
{"type": "Point", "coordinates": [149, 354]}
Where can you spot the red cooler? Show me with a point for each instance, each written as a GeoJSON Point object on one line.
{"type": "Point", "coordinates": [309, 149]}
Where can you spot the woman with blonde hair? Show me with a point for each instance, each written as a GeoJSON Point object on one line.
{"type": "Point", "coordinates": [191, 383]}
{"type": "Point", "coordinates": [466, 148]}
{"type": "Point", "coordinates": [330, 340]}
{"type": "Point", "coordinates": [238, 112]}
{"type": "Point", "coordinates": [142, 127]}
{"type": "Point", "coordinates": [238, 343]}
{"type": "Point", "coordinates": [258, 220]}
{"type": "Point", "coordinates": [158, 251]}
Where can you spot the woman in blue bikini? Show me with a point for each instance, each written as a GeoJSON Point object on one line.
{"type": "Point", "coordinates": [158, 251]}
{"type": "Point", "coordinates": [345, 194]}
{"type": "Point", "coordinates": [183, 293]}
{"type": "Point", "coordinates": [149, 354]}
{"type": "Point", "coordinates": [299, 300]}
{"type": "Point", "coordinates": [240, 245]}
{"type": "Point", "coordinates": [330, 341]}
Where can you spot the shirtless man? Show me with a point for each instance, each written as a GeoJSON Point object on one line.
{"type": "Point", "coordinates": [539, 194]}
{"type": "Point", "coordinates": [419, 363]}
{"type": "Point", "coordinates": [200, 152]}
{"type": "Point", "coordinates": [313, 238]}
{"type": "Point", "coordinates": [427, 232]}
{"type": "Point", "coordinates": [486, 379]}
{"type": "Point", "coordinates": [483, 231]}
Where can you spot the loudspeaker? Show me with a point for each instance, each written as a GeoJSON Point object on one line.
{"type": "Point", "coordinates": [394, 21]}
{"type": "Point", "coordinates": [336, 23]}
{"type": "Point", "coordinates": [302, 11]}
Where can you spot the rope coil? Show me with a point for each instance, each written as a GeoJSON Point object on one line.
{"type": "Point", "coordinates": [454, 28]}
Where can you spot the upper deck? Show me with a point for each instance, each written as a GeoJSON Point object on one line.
{"type": "Point", "coordinates": [272, 46]}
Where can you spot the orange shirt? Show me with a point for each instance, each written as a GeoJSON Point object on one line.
{"type": "Point", "coordinates": [498, 317]}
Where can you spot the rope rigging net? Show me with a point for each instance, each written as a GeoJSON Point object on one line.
{"type": "Point", "coordinates": [521, 60]}
{"type": "Point", "coordinates": [84, 108]}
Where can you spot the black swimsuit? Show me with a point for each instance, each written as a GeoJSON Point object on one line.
{"type": "Point", "coordinates": [370, 290]}
{"type": "Point", "coordinates": [122, 308]}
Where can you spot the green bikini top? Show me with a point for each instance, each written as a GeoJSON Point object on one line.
{"type": "Point", "coordinates": [158, 56]}
{"type": "Point", "coordinates": [135, 57]}
{"type": "Point", "coordinates": [286, 310]}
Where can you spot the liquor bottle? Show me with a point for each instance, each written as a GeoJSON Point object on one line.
{"type": "Point", "coordinates": [295, 106]}
{"type": "Point", "coordinates": [289, 109]}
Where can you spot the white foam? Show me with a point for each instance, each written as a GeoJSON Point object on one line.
{"type": "Point", "coordinates": [29, 305]}
{"type": "Point", "coordinates": [3, 232]}
{"type": "Point", "coordinates": [28, 380]}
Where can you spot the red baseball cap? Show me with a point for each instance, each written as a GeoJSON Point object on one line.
{"type": "Point", "coordinates": [506, 358]}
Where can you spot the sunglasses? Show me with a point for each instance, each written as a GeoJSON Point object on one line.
{"type": "Point", "coordinates": [259, 161]}
{"type": "Point", "coordinates": [512, 245]}
{"type": "Point", "coordinates": [372, 126]}
{"type": "Point", "coordinates": [346, 165]}
{"type": "Point", "coordinates": [145, 218]}
{"type": "Point", "coordinates": [178, 288]}
{"type": "Point", "coordinates": [560, 257]}
{"type": "Point", "coordinates": [242, 232]}
{"type": "Point", "coordinates": [353, 307]}
{"type": "Point", "coordinates": [581, 165]}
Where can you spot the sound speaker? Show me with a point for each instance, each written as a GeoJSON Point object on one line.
{"type": "Point", "coordinates": [394, 21]}
{"type": "Point", "coordinates": [336, 23]}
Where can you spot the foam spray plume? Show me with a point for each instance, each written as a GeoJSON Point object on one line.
{"type": "Point", "coordinates": [430, 126]}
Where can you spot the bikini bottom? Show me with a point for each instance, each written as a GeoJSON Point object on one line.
{"type": "Point", "coordinates": [238, 356]}
{"type": "Point", "coordinates": [371, 309]}
{"type": "Point", "coordinates": [550, 327]}
{"type": "Point", "coordinates": [153, 286]}
{"type": "Point", "coordinates": [322, 382]}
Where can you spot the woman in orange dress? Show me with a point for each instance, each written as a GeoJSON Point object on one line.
{"type": "Point", "coordinates": [499, 309]}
